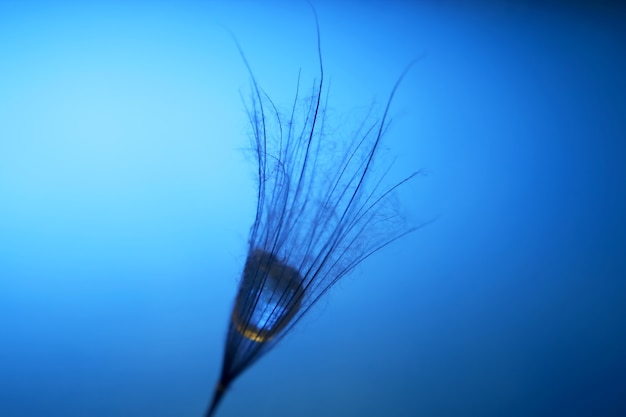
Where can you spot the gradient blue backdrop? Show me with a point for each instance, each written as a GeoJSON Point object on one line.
{"type": "Point", "coordinates": [126, 196]}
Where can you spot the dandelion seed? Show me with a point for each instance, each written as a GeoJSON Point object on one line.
{"type": "Point", "coordinates": [316, 219]}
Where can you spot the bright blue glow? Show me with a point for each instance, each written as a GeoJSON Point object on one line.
{"type": "Point", "coordinates": [126, 195]}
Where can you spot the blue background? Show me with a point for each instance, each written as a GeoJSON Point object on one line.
{"type": "Point", "coordinates": [126, 196]}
